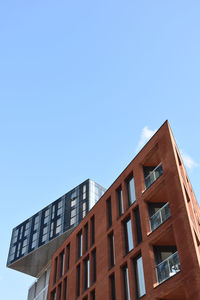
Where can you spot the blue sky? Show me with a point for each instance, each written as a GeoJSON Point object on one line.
{"type": "Point", "coordinates": [82, 84]}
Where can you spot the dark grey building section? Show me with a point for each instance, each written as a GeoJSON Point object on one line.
{"type": "Point", "coordinates": [40, 235]}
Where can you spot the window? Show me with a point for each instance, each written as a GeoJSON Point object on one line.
{"type": "Point", "coordinates": [86, 273]}
{"type": "Point", "coordinates": [126, 283]}
{"type": "Point", "coordinates": [65, 289]}
{"type": "Point", "coordinates": [62, 264]}
{"type": "Point", "coordinates": [109, 212]}
{"type": "Point", "coordinates": [120, 201]}
{"type": "Point", "coordinates": [111, 249]}
{"type": "Point", "coordinates": [59, 291]}
{"type": "Point", "coordinates": [92, 295]}
{"type": "Point", "coordinates": [53, 295]}
{"type": "Point", "coordinates": [86, 237]}
{"type": "Point", "coordinates": [55, 270]}
{"type": "Point", "coordinates": [68, 256]}
{"type": "Point", "coordinates": [78, 280]}
{"type": "Point", "coordinates": [131, 190]}
{"type": "Point", "coordinates": [139, 276]}
{"type": "Point", "coordinates": [92, 230]}
{"type": "Point", "coordinates": [93, 279]}
{"type": "Point", "coordinates": [138, 225]}
{"type": "Point", "coordinates": [79, 244]}
{"type": "Point", "coordinates": [128, 236]}
{"type": "Point", "coordinates": [112, 287]}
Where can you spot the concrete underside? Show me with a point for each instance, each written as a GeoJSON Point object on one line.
{"type": "Point", "coordinates": [34, 262]}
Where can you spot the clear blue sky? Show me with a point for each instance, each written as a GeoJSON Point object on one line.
{"type": "Point", "coordinates": [79, 81]}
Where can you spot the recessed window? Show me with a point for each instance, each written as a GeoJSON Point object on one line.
{"type": "Point", "coordinates": [53, 295]}
{"type": "Point", "coordinates": [68, 256]}
{"type": "Point", "coordinates": [62, 263]}
{"type": "Point", "coordinates": [78, 280]}
{"type": "Point", "coordinates": [92, 295]}
{"type": "Point", "coordinates": [79, 244]}
{"type": "Point", "coordinates": [65, 289]}
{"type": "Point", "coordinates": [111, 249]}
{"type": "Point", "coordinates": [92, 230]}
{"type": "Point", "coordinates": [93, 277]}
{"type": "Point", "coordinates": [128, 235]}
{"type": "Point", "coordinates": [139, 276]}
{"type": "Point", "coordinates": [55, 270]}
{"type": "Point", "coordinates": [109, 212]}
{"type": "Point", "coordinates": [131, 190]}
{"type": "Point", "coordinates": [120, 201]}
{"type": "Point", "coordinates": [86, 273]}
{"type": "Point", "coordinates": [138, 225]}
{"type": "Point", "coordinates": [112, 287]}
{"type": "Point", "coordinates": [86, 237]}
{"type": "Point", "coordinates": [126, 283]}
{"type": "Point", "coordinates": [59, 291]}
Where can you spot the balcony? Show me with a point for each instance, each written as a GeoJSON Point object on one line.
{"type": "Point", "coordinates": [168, 268]}
{"type": "Point", "coordinates": [153, 176]}
{"type": "Point", "coordinates": [160, 217]}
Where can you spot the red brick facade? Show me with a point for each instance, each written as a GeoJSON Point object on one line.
{"type": "Point", "coordinates": [94, 267]}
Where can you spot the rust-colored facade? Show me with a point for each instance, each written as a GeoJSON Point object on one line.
{"type": "Point", "coordinates": [141, 239]}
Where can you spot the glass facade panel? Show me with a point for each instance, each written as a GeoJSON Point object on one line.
{"type": "Point", "coordinates": [140, 283]}
{"type": "Point", "coordinates": [131, 190]}
{"type": "Point", "coordinates": [120, 201]}
{"type": "Point", "coordinates": [128, 236]}
{"type": "Point", "coordinates": [126, 283]}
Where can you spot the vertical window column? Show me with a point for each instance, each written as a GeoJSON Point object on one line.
{"type": "Point", "coordinates": [109, 212]}
{"type": "Point", "coordinates": [93, 267]}
{"type": "Point", "coordinates": [78, 280]}
{"type": "Point", "coordinates": [86, 275]}
{"type": "Point", "coordinates": [120, 201]}
{"type": "Point", "coordinates": [79, 244]}
{"type": "Point", "coordinates": [130, 190]}
{"type": "Point", "coordinates": [111, 250]}
{"type": "Point", "coordinates": [128, 235]}
{"type": "Point", "coordinates": [126, 283]}
{"type": "Point", "coordinates": [92, 230]}
{"type": "Point", "coordinates": [112, 287]}
{"type": "Point", "coordinates": [139, 277]}
{"type": "Point", "coordinates": [67, 257]}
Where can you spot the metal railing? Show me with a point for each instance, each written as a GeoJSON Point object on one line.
{"type": "Point", "coordinates": [153, 176]}
{"type": "Point", "coordinates": [160, 217]}
{"type": "Point", "coordinates": [168, 268]}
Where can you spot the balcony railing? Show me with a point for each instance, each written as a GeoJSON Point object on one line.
{"type": "Point", "coordinates": [153, 176]}
{"type": "Point", "coordinates": [160, 217]}
{"type": "Point", "coordinates": [168, 268]}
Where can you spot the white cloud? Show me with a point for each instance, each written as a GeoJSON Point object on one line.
{"type": "Point", "coordinates": [146, 134]}
{"type": "Point", "coordinates": [188, 161]}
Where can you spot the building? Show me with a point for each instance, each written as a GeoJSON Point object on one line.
{"type": "Point", "coordinates": [35, 240]}
{"type": "Point", "coordinates": [140, 240]}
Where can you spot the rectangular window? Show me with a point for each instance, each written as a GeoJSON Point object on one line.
{"type": "Point", "coordinates": [128, 236]}
{"type": "Point", "coordinates": [92, 230]}
{"type": "Point", "coordinates": [55, 270]}
{"type": "Point", "coordinates": [139, 276]}
{"type": "Point", "coordinates": [65, 289]}
{"type": "Point", "coordinates": [79, 244]}
{"type": "Point", "coordinates": [131, 190]}
{"type": "Point", "coordinates": [111, 249]}
{"type": "Point", "coordinates": [138, 225]}
{"type": "Point", "coordinates": [62, 263]}
{"type": "Point", "coordinates": [92, 295]}
{"type": "Point", "coordinates": [68, 256]}
{"type": "Point", "coordinates": [86, 237]}
{"type": "Point", "coordinates": [109, 212]}
{"type": "Point", "coordinates": [59, 291]}
{"type": "Point", "coordinates": [126, 283]}
{"type": "Point", "coordinates": [93, 266]}
{"type": "Point", "coordinates": [53, 295]}
{"type": "Point", "coordinates": [112, 287]}
{"type": "Point", "coordinates": [86, 273]}
{"type": "Point", "coordinates": [78, 280]}
{"type": "Point", "coordinates": [120, 201]}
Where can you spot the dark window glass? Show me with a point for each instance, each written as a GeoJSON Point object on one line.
{"type": "Point", "coordinates": [61, 258]}
{"type": "Point", "coordinates": [120, 201]}
{"type": "Point", "coordinates": [79, 244]}
{"type": "Point", "coordinates": [86, 273]}
{"type": "Point", "coordinates": [78, 280]}
{"type": "Point", "coordinates": [92, 230]}
{"type": "Point", "coordinates": [109, 212]}
{"type": "Point", "coordinates": [53, 295]}
{"type": "Point", "coordinates": [126, 283]}
{"type": "Point", "coordinates": [131, 190]}
{"type": "Point", "coordinates": [138, 225]}
{"type": "Point", "coordinates": [65, 289]}
{"type": "Point", "coordinates": [59, 291]}
{"type": "Point", "coordinates": [92, 295]}
{"type": "Point", "coordinates": [112, 287]}
{"type": "Point", "coordinates": [139, 276]}
{"type": "Point", "coordinates": [93, 265]}
{"type": "Point", "coordinates": [128, 236]}
{"type": "Point", "coordinates": [86, 237]}
{"type": "Point", "coordinates": [55, 270]}
{"type": "Point", "coordinates": [68, 256]}
{"type": "Point", "coordinates": [111, 249]}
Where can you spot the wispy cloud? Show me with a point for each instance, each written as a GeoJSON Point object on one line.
{"type": "Point", "coordinates": [188, 161]}
{"type": "Point", "coordinates": [146, 134]}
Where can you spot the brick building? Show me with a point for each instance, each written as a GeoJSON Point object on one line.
{"type": "Point", "coordinates": [140, 240]}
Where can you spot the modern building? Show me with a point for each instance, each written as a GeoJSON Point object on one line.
{"type": "Point", "coordinates": [35, 240]}
{"type": "Point", "coordinates": [140, 240]}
